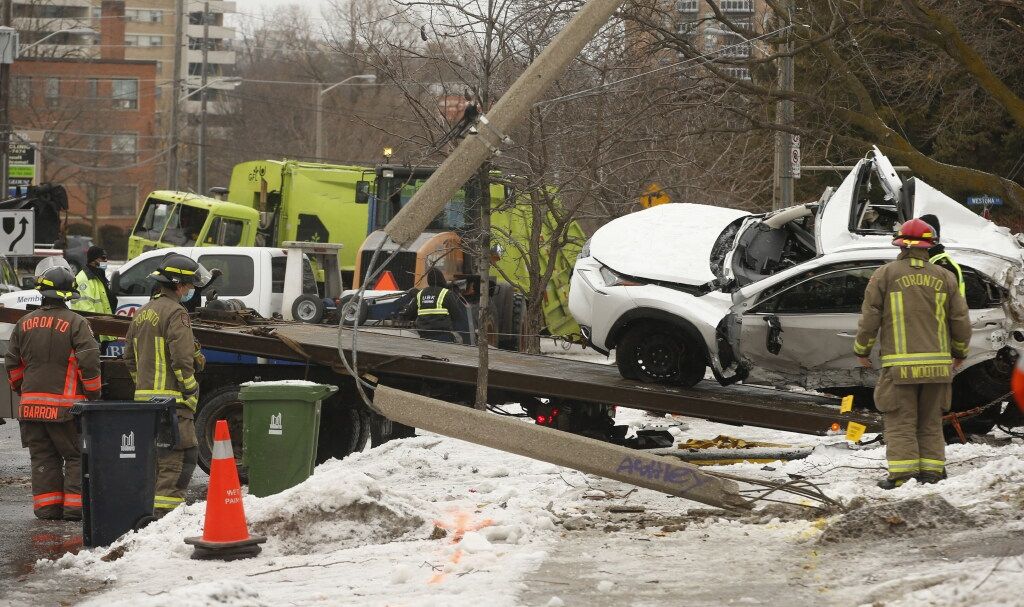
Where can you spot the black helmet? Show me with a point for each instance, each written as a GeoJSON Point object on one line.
{"type": "Point", "coordinates": [176, 269]}
{"type": "Point", "coordinates": [57, 282]}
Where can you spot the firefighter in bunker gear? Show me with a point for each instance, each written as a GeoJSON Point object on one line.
{"type": "Point", "coordinates": [937, 254]}
{"type": "Point", "coordinates": [162, 356]}
{"type": "Point", "coordinates": [435, 306]}
{"type": "Point", "coordinates": [916, 311]}
{"type": "Point", "coordinates": [52, 362]}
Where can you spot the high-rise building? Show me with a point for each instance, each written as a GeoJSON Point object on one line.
{"type": "Point", "coordinates": [699, 22]}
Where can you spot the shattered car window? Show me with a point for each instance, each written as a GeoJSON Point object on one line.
{"type": "Point", "coordinates": [832, 291]}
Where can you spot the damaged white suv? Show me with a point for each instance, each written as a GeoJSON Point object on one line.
{"type": "Point", "coordinates": [775, 299]}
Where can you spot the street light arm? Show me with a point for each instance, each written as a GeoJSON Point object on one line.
{"type": "Point", "coordinates": [83, 31]}
{"type": "Point", "coordinates": [369, 77]}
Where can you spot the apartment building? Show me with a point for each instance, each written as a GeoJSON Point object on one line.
{"type": "Point", "coordinates": [97, 120]}
{"type": "Point", "coordinates": [149, 36]}
{"type": "Point", "coordinates": [697, 20]}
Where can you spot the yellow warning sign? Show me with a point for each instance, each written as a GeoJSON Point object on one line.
{"type": "Point", "coordinates": [847, 404]}
{"type": "Point", "coordinates": [653, 196]}
{"type": "Point", "coordinates": [854, 431]}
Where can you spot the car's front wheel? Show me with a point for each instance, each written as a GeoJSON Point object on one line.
{"type": "Point", "coordinates": [660, 353]}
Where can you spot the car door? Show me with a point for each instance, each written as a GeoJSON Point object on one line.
{"type": "Point", "coordinates": [801, 330]}
{"type": "Point", "coordinates": [238, 279]}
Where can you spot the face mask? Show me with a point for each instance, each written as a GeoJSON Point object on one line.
{"type": "Point", "coordinates": [188, 296]}
{"type": "Point", "coordinates": [102, 265]}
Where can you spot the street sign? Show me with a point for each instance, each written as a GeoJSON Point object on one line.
{"type": "Point", "coordinates": [984, 201]}
{"type": "Point", "coordinates": [653, 196]}
{"type": "Point", "coordinates": [794, 156]}
{"type": "Point", "coordinates": [17, 232]}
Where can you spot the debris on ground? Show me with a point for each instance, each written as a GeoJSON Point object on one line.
{"type": "Point", "coordinates": [874, 522]}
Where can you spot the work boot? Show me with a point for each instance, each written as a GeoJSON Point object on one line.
{"type": "Point", "coordinates": [930, 478]}
{"type": "Point", "coordinates": [50, 513]}
{"type": "Point", "coordinates": [891, 483]}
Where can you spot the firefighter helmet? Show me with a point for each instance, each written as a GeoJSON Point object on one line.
{"type": "Point", "coordinates": [176, 269]}
{"type": "Point", "coordinates": [916, 234]}
{"type": "Point", "coordinates": [57, 282]}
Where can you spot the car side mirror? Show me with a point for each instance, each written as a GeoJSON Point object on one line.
{"type": "Point", "coordinates": [362, 192]}
{"type": "Point", "coordinates": [115, 282]}
{"type": "Point", "coordinates": [28, 283]}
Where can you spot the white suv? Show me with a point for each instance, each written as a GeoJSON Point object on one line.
{"type": "Point", "coordinates": [775, 299]}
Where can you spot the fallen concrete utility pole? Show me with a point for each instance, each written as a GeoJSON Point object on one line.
{"type": "Point", "coordinates": [493, 127]}
{"type": "Point", "coordinates": [560, 448]}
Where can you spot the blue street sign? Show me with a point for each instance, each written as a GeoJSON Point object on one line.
{"type": "Point", "coordinates": [984, 201]}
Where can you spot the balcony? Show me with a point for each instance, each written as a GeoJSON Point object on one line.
{"type": "Point", "coordinates": [736, 6]}
{"type": "Point", "coordinates": [688, 6]}
{"type": "Point", "coordinates": [216, 107]}
{"type": "Point", "coordinates": [44, 24]}
{"type": "Point", "coordinates": [196, 6]}
{"type": "Point", "coordinates": [217, 32]}
{"type": "Point", "coordinates": [217, 57]}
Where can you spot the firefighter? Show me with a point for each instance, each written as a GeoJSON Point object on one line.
{"type": "Point", "coordinates": [53, 361]}
{"type": "Point", "coordinates": [162, 356]}
{"type": "Point", "coordinates": [938, 255]}
{"type": "Point", "coordinates": [915, 310]}
{"type": "Point", "coordinates": [94, 289]}
{"type": "Point", "coordinates": [435, 307]}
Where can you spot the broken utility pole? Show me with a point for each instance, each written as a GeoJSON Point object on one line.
{"type": "Point", "coordinates": [560, 448]}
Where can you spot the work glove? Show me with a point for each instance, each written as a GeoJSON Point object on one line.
{"type": "Point", "coordinates": [199, 360]}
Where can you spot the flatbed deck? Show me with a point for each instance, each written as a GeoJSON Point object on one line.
{"type": "Point", "coordinates": [383, 355]}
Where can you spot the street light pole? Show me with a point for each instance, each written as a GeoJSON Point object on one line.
{"type": "Point", "coordinates": [176, 80]}
{"type": "Point", "coordinates": [320, 108]}
{"type": "Point", "coordinates": [201, 169]}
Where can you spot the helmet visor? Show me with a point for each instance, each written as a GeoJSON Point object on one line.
{"type": "Point", "coordinates": [202, 276]}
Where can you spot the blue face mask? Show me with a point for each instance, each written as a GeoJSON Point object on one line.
{"type": "Point", "coordinates": [188, 296]}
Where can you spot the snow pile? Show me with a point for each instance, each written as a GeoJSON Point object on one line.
{"type": "Point", "coordinates": [421, 521]}
{"type": "Point", "coordinates": [878, 521]}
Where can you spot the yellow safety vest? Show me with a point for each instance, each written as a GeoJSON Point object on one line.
{"type": "Point", "coordinates": [436, 310]}
{"type": "Point", "coordinates": [956, 267]}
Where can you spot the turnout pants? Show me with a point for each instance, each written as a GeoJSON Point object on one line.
{"type": "Point", "coordinates": [174, 467]}
{"type": "Point", "coordinates": [56, 458]}
{"type": "Point", "coordinates": [912, 415]}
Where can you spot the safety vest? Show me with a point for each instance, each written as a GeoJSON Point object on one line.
{"type": "Point", "coordinates": [431, 304]}
{"type": "Point", "coordinates": [956, 269]}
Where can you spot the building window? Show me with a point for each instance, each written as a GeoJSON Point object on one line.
{"type": "Point", "coordinates": [131, 40]}
{"type": "Point", "coordinates": [125, 144]}
{"type": "Point", "coordinates": [122, 200]}
{"type": "Point", "coordinates": [736, 6]}
{"type": "Point", "coordinates": [144, 15]}
{"type": "Point", "coordinates": [739, 73]}
{"type": "Point", "coordinates": [687, 6]}
{"type": "Point", "coordinates": [92, 88]}
{"type": "Point", "coordinates": [125, 93]}
{"type": "Point", "coordinates": [52, 92]}
{"type": "Point", "coordinates": [21, 90]}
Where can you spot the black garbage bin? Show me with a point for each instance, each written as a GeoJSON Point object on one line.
{"type": "Point", "coordinates": [119, 443]}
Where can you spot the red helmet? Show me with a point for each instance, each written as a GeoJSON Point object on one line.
{"type": "Point", "coordinates": [916, 234]}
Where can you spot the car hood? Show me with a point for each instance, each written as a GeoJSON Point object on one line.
{"type": "Point", "coordinates": [670, 242]}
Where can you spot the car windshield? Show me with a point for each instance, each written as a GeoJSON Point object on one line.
{"type": "Point", "coordinates": [153, 219]}
{"type": "Point", "coordinates": [393, 193]}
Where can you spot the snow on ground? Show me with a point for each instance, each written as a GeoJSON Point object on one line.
{"type": "Point", "coordinates": [366, 531]}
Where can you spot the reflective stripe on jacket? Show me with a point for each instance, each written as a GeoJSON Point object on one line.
{"type": "Point", "coordinates": [53, 361]}
{"type": "Point", "coordinates": [159, 352]}
{"type": "Point", "coordinates": [920, 318]}
{"type": "Point", "coordinates": [430, 302]}
{"type": "Point", "coordinates": [944, 260]}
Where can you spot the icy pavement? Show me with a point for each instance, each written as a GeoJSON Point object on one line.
{"type": "Point", "coordinates": [436, 521]}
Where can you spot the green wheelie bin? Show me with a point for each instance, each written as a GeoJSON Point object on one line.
{"type": "Point", "coordinates": [280, 425]}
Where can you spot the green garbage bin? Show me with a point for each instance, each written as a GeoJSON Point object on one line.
{"type": "Point", "coordinates": [280, 425]}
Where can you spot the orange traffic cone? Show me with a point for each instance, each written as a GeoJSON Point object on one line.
{"type": "Point", "coordinates": [225, 534]}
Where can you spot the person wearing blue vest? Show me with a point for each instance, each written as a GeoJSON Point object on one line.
{"type": "Point", "coordinates": [938, 255]}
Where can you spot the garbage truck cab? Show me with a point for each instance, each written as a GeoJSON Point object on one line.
{"type": "Point", "coordinates": [182, 219]}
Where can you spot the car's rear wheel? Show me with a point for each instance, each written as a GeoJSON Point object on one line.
{"type": "Point", "coordinates": [659, 353]}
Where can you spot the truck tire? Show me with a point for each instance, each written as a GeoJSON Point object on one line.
{"type": "Point", "coordinates": [221, 404]}
{"type": "Point", "coordinates": [348, 312]}
{"type": "Point", "coordinates": [383, 430]}
{"type": "Point", "coordinates": [308, 309]}
{"type": "Point", "coordinates": [658, 353]}
{"type": "Point", "coordinates": [517, 325]}
{"type": "Point", "coordinates": [343, 430]}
